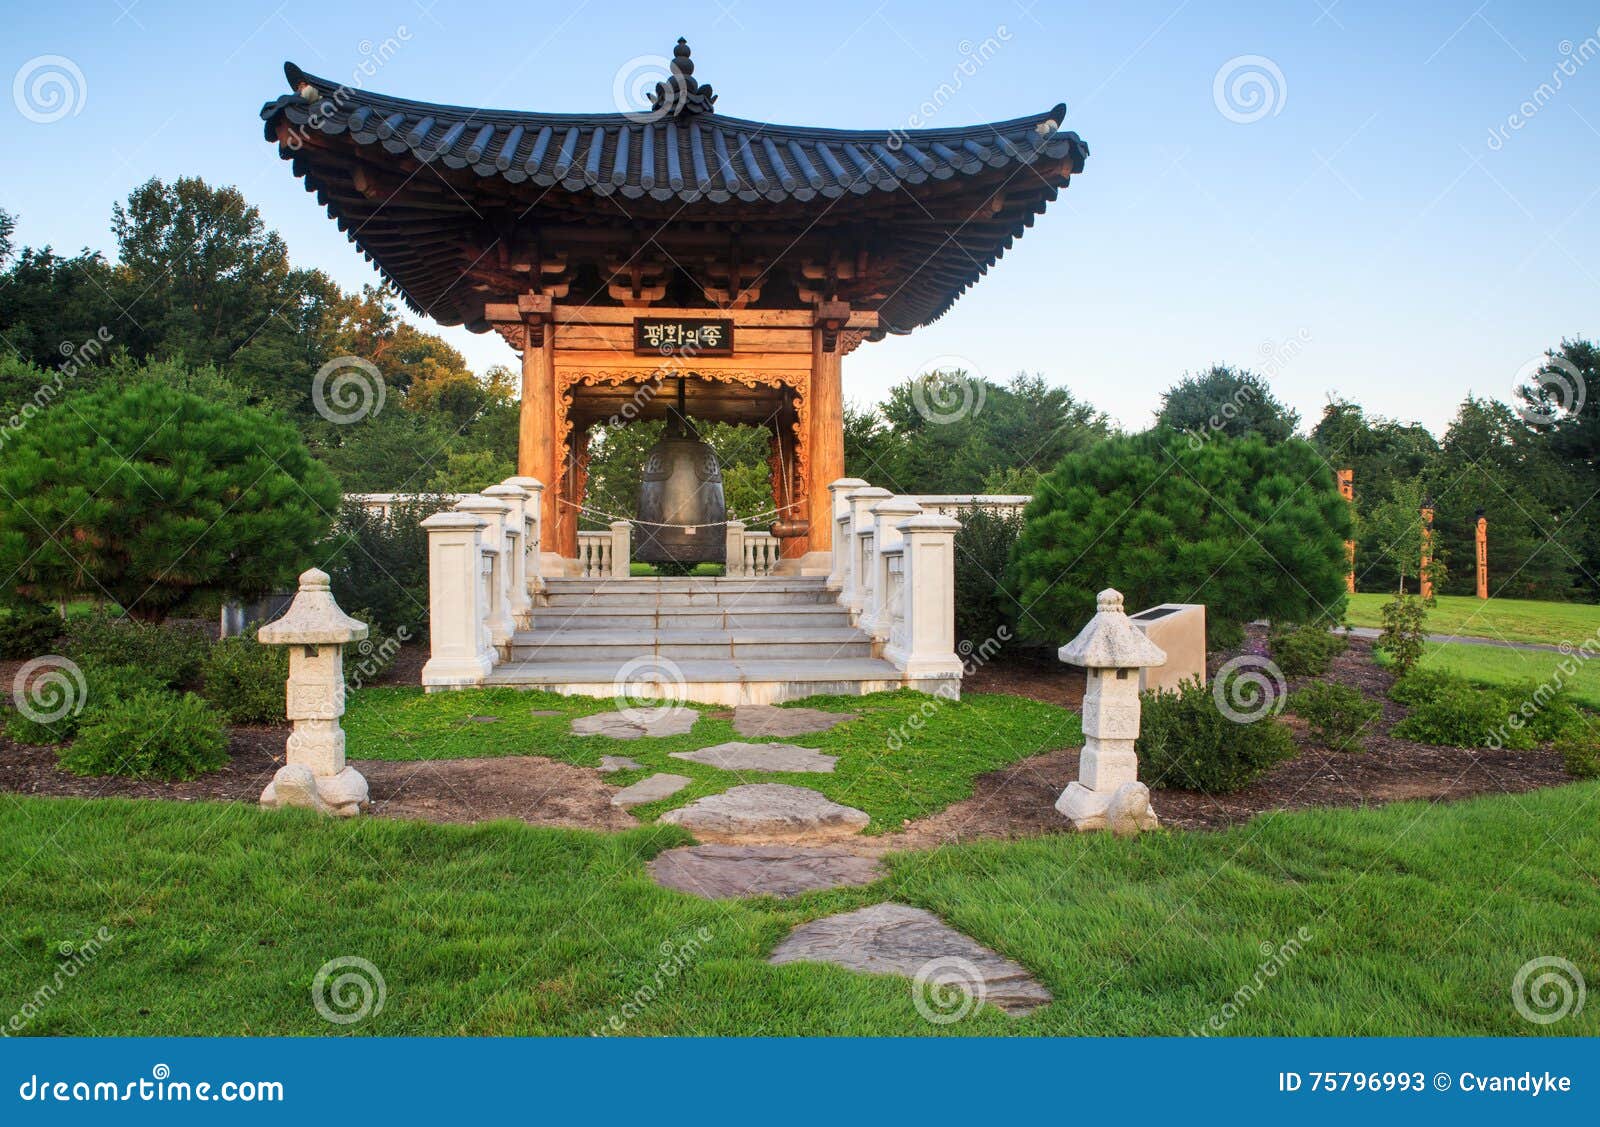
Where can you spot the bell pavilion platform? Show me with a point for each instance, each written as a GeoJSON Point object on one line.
{"type": "Point", "coordinates": [726, 641]}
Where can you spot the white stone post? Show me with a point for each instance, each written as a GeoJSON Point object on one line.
{"type": "Point", "coordinates": [515, 572]}
{"type": "Point", "coordinates": [929, 548]}
{"type": "Point", "coordinates": [858, 580]}
{"type": "Point", "coordinates": [460, 651]}
{"type": "Point", "coordinates": [1112, 651]}
{"type": "Point", "coordinates": [314, 773]}
{"type": "Point", "coordinates": [621, 548]}
{"type": "Point", "coordinates": [878, 616]}
{"type": "Point", "coordinates": [839, 491]}
{"type": "Point", "coordinates": [734, 549]}
{"type": "Point", "coordinates": [533, 522]}
{"type": "Point", "coordinates": [494, 513]}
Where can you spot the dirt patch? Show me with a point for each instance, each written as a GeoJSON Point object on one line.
{"type": "Point", "coordinates": [1037, 676]}
{"type": "Point", "coordinates": [1019, 801]}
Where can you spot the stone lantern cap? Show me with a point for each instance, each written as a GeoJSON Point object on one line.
{"type": "Point", "coordinates": [506, 489]}
{"type": "Point", "coordinates": [1111, 640]}
{"type": "Point", "coordinates": [313, 619]}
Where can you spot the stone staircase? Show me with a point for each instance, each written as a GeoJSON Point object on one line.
{"type": "Point", "coordinates": [710, 640]}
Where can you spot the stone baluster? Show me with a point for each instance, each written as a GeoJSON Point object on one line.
{"type": "Point", "coordinates": [839, 567]}
{"type": "Point", "coordinates": [515, 572]}
{"type": "Point", "coordinates": [533, 522]}
{"type": "Point", "coordinates": [494, 513]}
{"type": "Point", "coordinates": [734, 564]}
{"type": "Point", "coordinates": [929, 584]}
{"type": "Point", "coordinates": [457, 634]}
{"type": "Point", "coordinates": [878, 616]}
{"type": "Point", "coordinates": [862, 528]}
{"type": "Point", "coordinates": [315, 773]}
{"type": "Point", "coordinates": [621, 549]}
{"type": "Point", "coordinates": [1112, 650]}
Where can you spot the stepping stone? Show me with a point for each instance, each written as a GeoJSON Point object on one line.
{"type": "Point", "coordinates": [653, 789]}
{"type": "Point", "coordinates": [770, 720]}
{"type": "Point", "coordinates": [952, 973]}
{"type": "Point", "coordinates": [767, 812]}
{"type": "Point", "coordinates": [547, 712]}
{"type": "Point", "coordinates": [609, 764]}
{"type": "Point", "coordinates": [639, 722]}
{"type": "Point", "coordinates": [477, 720]}
{"type": "Point", "coordinates": [727, 872]}
{"type": "Point", "coordinates": [736, 756]}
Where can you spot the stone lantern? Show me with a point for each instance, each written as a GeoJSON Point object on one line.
{"type": "Point", "coordinates": [315, 774]}
{"type": "Point", "coordinates": [1108, 794]}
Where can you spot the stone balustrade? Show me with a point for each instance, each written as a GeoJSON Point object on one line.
{"type": "Point", "coordinates": [894, 569]}
{"type": "Point", "coordinates": [750, 555]}
{"type": "Point", "coordinates": [605, 555]}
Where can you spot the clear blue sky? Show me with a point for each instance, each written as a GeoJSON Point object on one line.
{"type": "Point", "coordinates": [1364, 237]}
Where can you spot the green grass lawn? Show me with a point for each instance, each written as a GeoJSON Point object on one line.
{"type": "Point", "coordinates": [1496, 665]}
{"type": "Point", "coordinates": [906, 755]}
{"type": "Point", "coordinates": [1406, 919]}
{"type": "Point", "coordinates": [1510, 620]}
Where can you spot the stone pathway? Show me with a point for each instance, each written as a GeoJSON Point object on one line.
{"type": "Point", "coordinates": [767, 813]}
{"type": "Point", "coordinates": [899, 939]}
{"type": "Point", "coordinates": [727, 872]}
{"type": "Point", "coordinates": [757, 720]}
{"type": "Point", "coordinates": [610, 764]}
{"type": "Point", "coordinates": [652, 789]}
{"type": "Point", "coordinates": [736, 756]}
{"type": "Point", "coordinates": [636, 723]}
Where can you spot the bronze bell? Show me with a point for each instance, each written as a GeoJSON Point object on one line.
{"type": "Point", "coordinates": [681, 487]}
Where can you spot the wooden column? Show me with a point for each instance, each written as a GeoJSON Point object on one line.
{"type": "Point", "coordinates": [526, 326]}
{"type": "Point", "coordinates": [1425, 567]}
{"type": "Point", "coordinates": [1482, 539]}
{"type": "Point", "coordinates": [1348, 492]}
{"type": "Point", "coordinates": [825, 444]}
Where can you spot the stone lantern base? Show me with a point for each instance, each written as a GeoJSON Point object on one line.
{"type": "Point", "coordinates": [1123, 811]}
{"type": "Point", "coordinates": [344, 794]}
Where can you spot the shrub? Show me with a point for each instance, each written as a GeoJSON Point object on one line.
{"type": "Point", "coordinates": [151, 735]}
{"type": "Point", "coordinates": [380, 563]}
{"type": "Point", "coordinates": [1186, 742]}
{"type": "Point", "coordinates": [244, 680]}
{"type": "Point", "coordinates": [165, 496]}
{"type": "Point", "coordinates": [171, 654]}
{"type": "Point", "coordinates": [1404, 630]}
{"type": "Point", "coordinates": [102, 684]}
{"type": "Point", "coordinates": [1580, 752]}
{"type": "Point", "coordinates": [27, 629]}
{"type": "Point", "coordinates": [1461, 714]}
{"type": "Point", "coordinates": [1336, 714]}
{"type": "Point", "coordinates": [1305, 650]}
{"type": "Point", "coordinates": [1420, 685]}
{"type": "Point", "coordinates": [1251, 530]}
{"type": "Point", "coordinates": [1546, 711]}
{"type": "Point", "coordinates": [983, 546]}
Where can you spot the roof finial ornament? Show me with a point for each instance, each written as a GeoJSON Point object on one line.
{"type": "Point", "coordinates": [681, 94]}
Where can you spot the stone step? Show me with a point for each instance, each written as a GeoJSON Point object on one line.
{"type": "Point", "coordinates": [725, 872]}
{"type": "Point", "coordinates": [715, 597]}
{"type": "Point", "coordinates": [687, 645]}
{"type": "Point", "coordinates": [601, 615]}
{"type": "Point", "coordinates": [767, 813]}
{"type": "Point", "coordinates": [689, 583]}
{"type": "Point", "coordinates": [729, 683]}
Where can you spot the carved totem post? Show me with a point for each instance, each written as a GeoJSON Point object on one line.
{"type": "Point", "coordinates": [316, 632]}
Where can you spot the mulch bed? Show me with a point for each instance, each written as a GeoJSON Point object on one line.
{"type": "Point", "coordinates": [1018, 801]}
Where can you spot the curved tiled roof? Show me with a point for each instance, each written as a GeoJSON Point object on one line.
{"type": "Point", "coordinates": [691, 158]}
